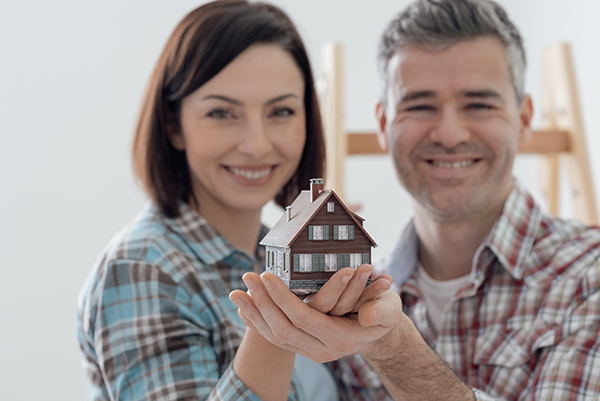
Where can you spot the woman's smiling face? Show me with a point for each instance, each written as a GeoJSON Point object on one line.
{"type": "Point", "coordinates": [244, 130]}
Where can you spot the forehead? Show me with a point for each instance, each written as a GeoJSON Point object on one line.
{"type": "Point", "coordinates": [260, 70]}
{"type": "Point", "coordinates": [470, 65]}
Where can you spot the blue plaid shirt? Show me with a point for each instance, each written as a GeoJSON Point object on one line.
{"type": "Point", "coordinates": [154, 318]}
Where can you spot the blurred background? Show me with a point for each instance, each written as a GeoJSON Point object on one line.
{"type": "Point", "coordinates": [73, 73]}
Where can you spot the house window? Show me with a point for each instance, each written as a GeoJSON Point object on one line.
{"type": "Point", "coordinates": [318, 233]}
{"type": "Point", "coordinates": [330, 207]}
{"type": "Point", "coordinates": [279, 260]}
{"type": "Point", "coordinates": [305, 261]}
{"type": "Point", "coordinates": [343, 232]}
{"type": "Point", "coordinates": [286, 265]}
{"type": "Point", "coordinates": [356, 259]}
{"type": "Point", "coordinates": [330, 262]}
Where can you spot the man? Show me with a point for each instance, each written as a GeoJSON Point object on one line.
{"type": "Point", "coordinates": [500, 301]}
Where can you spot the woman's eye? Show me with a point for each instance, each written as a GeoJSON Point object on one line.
{"type": "Point", "coordinates": [220, 114]}
{"type": "Point", "coordinates": [283, 112]}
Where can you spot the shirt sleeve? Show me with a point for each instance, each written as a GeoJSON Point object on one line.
{"type": "Point", "coordinates": [153, 340]}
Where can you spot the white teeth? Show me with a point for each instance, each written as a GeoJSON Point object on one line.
{"type": "Point", "coordinates": [250, 175]}
{"type": "Point", "coordinates": [464, 163]}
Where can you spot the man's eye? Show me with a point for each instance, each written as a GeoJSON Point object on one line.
{"type": "Point", "coordinates": [220, 114]}
{"type": "Point", "coordinates": [480, 106]}
{"type": "Point", "coordinates": [420, 107]}
{"type": "Point", "coordinates": [283, 112]}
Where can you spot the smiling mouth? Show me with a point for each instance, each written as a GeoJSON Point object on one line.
{"type": "Point", "coordinates": [451, 165]}
{"type": "Point", "coordinates": [250, 174]}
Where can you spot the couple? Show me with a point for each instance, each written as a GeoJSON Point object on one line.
{"type": "Point", "coordinates": [484, 297]}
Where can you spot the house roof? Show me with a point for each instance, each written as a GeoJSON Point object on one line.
{"type": "Point", "coordinates": [303, 210]}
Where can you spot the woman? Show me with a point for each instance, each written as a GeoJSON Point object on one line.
{"type": "Point", "coordinates": [229, 121]}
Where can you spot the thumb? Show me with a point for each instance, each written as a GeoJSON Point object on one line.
{"type": "Point", "coordinates": [384, 311]}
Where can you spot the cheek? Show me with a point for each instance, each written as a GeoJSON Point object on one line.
{"type": "Point", "coordinates": [501, 138]}
{"type": "Point", "coordinates": [404, 139]}
{"type": "Point", "coordinates": [207, 144]}
{"type": "Point", "coordinates": [291, 144]}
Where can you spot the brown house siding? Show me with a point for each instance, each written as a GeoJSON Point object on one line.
{"type": "Point", "coordinates": [302, 245]}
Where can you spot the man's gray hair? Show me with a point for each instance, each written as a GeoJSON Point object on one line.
{"type": "Point", "coordinates": [442, 23]}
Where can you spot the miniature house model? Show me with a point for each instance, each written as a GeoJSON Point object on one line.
{"type": "Point", "coordinates": [315, 237]}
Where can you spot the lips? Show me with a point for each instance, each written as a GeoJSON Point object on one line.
{"type": "Point", "coordinates": [452, 164]}
{"type": "Point", "coordinates": [250, 174]}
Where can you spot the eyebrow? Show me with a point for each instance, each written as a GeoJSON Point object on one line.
{"type": "Point", "coordinates": [223, 98]}
{"type": "Point", "coordinates": [238, 103]}
{"type": "Point", "coordinates": [427, 94]}
{"type": "Point", "coordinates": [417, 95]}
{"type": "Point", "coordinates": [486, 93]}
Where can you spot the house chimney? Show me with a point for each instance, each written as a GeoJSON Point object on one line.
{"type": "Point", "coordinates": [316, 186]}
{"type": "Point", "coordinates": [288, 213]}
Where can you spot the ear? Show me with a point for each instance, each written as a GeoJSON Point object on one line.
{"type": "Point", "coordinates": [176, 137]}
{"type": "Point", "coordinates": [382, 137]}
{"type": "Point", "coordinates": [525, 117]}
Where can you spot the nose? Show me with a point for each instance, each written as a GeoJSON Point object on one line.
{"type": "Point", "coordinates": [255, 141]}
{"type": "Point", "coordinates": [450, 129]}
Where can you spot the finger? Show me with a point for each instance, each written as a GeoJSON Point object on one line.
{"type": "Point", "coordinates": [372, 291]}
{"type": "Point", "coordinates": [327, 297]}
{"type": "Point", "coordinates": [379, 284]}
{"type": "Point", "coordinates": [329, 337]}
{"type": "Point", "coordinates": [384, 311]}
{"type": "Point", "coordinates": [270, 320]}
{"type": "Point", "coordinates": [353, 291]}
{"type": "Point", "coordinates": [294, 308]}
{"type": "Point", "coordinates": [382, 276]}
{"type": "Point", "coordinates": [246, 308]}
{"type": "Point", "coordinates": [250, 325]}
{"type": "Point", "coordinates": [248, 322]}
{"type": "Point", "coordinates": [258, 305]}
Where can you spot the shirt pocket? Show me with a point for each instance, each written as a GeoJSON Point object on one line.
{"type": "Point", "coordinates": [508, 347]}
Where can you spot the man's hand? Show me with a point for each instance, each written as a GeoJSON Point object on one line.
{"type": "Point", "coordinates": [345, 291]}
{"type": "Point", "coordinates": [343, 318]}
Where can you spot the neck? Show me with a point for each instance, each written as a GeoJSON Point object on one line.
{"type": "Point", "coordinates": [240, 227]}
{"type": "Point", "coordinates": [447, 247]}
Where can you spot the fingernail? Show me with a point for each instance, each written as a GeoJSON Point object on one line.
{"type": "Point", "coordinates": [250, 283]}
{"type": "Point", "coordinates": [268, 284]}
{"type": "Point", "coordinates": [365, 276]}
{"type": "Point", "coordinates": [238, 302]}
{"type": "Point", "coordinates": [346, 278]}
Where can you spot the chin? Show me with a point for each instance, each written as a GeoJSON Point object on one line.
{"type": "Point", "coordinates": [250, 203]}
{"type": "Point", "coordinates": [451, 206]}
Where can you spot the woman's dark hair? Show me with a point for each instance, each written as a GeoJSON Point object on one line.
{"type": "Point", "coordinates": [202, 44]}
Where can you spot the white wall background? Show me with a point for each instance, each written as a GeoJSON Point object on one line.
{"type": "Point", "coordinates": [72, 74]}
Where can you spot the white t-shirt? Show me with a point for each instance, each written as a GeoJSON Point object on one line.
{"type": "Point", "coordinates": [437, 294]}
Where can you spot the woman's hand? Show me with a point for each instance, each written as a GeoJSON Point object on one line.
{"type": "Point", "coordinates": [343, 318]}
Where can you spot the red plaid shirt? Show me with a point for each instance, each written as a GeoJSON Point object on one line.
{"type": "Point", "coordinates": [526, 327]}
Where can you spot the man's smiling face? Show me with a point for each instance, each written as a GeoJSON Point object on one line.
{"type": "Point", "coordinates": [452, 124]}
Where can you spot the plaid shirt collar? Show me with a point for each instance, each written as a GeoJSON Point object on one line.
{"type": "Point", "coordinates": [206, 242]}
{"type": "Point", "coordinates": [510, 240]}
